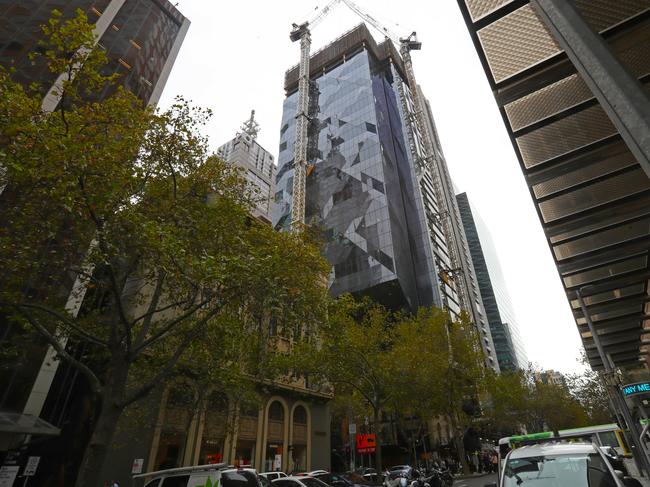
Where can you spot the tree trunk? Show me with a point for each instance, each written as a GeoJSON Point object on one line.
{"type": "Point", "coordinates": [91, 467]}
{"type": "Point", "coordinates": [93, 461]}
{"type": "Point", "coordinates": [378, 466]}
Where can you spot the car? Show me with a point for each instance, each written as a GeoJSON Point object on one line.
{"type": "Point", "coordinates": [369, 474]}
{"type": "Point", "coordinates": [299, 481]}
{"type": "Point", "coordinates": [614, 459]}
{"type": "Point", "coordinates": [397, 472]}
{"type": "Point", "coordinates": [558, 464]}
{"type": "Point", "coordinates": [264, 481]}
{"type": "Point", "coordinates": [338, 480]}
{"type": "Point", "coordinates": [313, 473]}
{"type": "Point", "coordinates": [202, 475]}
{"type": "Point", "coordinates": [273, 475]}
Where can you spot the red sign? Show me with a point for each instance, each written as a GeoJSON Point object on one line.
{"type": "Point", "coordinates": [366, 443]}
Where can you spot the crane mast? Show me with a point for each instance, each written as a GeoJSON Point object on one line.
{"type": "Point", "coordinates": [301, 32]}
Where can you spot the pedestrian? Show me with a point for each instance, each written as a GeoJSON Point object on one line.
{"type": "Point", "coordinates": [495, 462]}
{"type": "Point", "coordinates": [114, 484]}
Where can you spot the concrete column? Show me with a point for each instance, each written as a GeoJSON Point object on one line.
{"type": "Point", "coordinates": [619, 92]}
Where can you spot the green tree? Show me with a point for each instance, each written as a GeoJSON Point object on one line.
{"type": "Point", "coordinates": [129, 202]}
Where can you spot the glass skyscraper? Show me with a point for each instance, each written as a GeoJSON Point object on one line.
{"type": "Point", "coordinates": [370, 188]}
{"type": "Point", "coordinates": [362, 190]}
{"type": "Point", "coordinates": [498, 309]}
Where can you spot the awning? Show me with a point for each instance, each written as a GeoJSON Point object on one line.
{"type": "Point", "coordinates": [26, 424]}
{"type": "Point", "coordinates": [591, 195]}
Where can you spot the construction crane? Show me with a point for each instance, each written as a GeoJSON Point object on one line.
{"type": "Point", "coordinates": [302, 33]}
{"type": "Point", "coordinates": [416, 120]}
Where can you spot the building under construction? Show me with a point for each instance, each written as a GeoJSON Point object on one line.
{"type": "Point", "coordinates": [376, 184]}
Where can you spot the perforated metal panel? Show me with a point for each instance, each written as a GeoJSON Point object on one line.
{"type": "Point", "coordinates": [565, 135]}
{"type": "Point", "coordinates": [609, 295]}
{"type": "Point", "coordinates": [603, 14]}
{"type": "Point", "coordinates": [548, 101]}
{"type": "Point", "coordinates": [603, 239]}
{"type": "Point", "coordinates": [480, 8]}
{"type": "Point", "coordinates": [609, 270]}
{"type": "Point", "coordinates": [516, 42]}
{"type": "Point", "coordinates": [596, 194]}
{"type": "Point", "coordinates": [584, 173]}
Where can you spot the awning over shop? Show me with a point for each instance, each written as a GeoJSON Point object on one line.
{"type": "Point", "coordinates": [25, 424]}
{"type": "Point", "coordinates": [591, 195]}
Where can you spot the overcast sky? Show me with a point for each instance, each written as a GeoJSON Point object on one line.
{"type": "Point", "coordinates": [234, 58]}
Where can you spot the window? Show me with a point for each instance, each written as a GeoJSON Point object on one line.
{"type": "Point", "coordinates": [239, 479]}
{"type": "Point", "coordinates": [180, 481]}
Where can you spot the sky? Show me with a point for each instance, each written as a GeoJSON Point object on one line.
{"type": "Point", "coordinates": [233, 60]}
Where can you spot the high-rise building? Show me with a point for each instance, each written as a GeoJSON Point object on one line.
{"type": "Point", "coordinates": [141, 39]}
{"type": "Point", "coordinates": [257, 164]}
{"type": "Point", "coordinates": [367, 190]}
{"type": "Point", "coordinates": [498, 308]}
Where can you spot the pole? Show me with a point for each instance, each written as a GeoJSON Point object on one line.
{"type": "Point", "coordinates": [640, 455]}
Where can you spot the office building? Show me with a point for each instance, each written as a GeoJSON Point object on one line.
{"type": "Point", "coordinates": [367, 192]}
{"type": "Point", "coordinates": [256, 163]}
{"type": "Point", "coordinates": [141, 39]}
{"type": "Point", "coordinates": [498, 308]}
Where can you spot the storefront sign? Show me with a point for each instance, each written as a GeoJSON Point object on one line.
{"type": "Point", "coordinates": [636, 389]}
{"type": "Point", "coordinates": [366, 443]}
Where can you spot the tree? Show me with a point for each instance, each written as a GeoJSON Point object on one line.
{"type": "Point", "coordinates": [130, 203]}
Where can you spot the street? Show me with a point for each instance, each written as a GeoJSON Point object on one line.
{"type": "Point", "coordinates": [478, 481]}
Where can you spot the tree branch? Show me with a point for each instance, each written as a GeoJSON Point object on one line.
{"type": "Point", "coordinates": [95, 384]}
{"type": "Point", "coordinates": [170, 325]}
{"type": "Point", "coordinates": [67, 321]}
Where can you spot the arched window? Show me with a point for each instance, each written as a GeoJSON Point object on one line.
{"type": "Point", "coordinates": [275, 437]}
{"type": "Point", "coordinates": [215, 428]}
{"type": "Point", "coordinates": [298, 445]}
{"type": "Point", "coordinates": [245, 450]}
{"type": "Point", "coordinates": [179, 409]}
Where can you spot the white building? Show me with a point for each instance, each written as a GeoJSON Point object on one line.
{"type": "Point", "coordinates": [256, 162]}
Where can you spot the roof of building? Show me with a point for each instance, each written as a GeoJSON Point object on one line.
{"type": "Point", "coordinates": [349, 43]}
{"type": "Point", "coordinates": [591, 195]}
{"type": "Point", "coordinates": [550, 449]}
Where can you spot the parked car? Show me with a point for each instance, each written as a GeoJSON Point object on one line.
{"type": "Point", "coordinates": [214, 474]}
{"type": "Point", "coordinates": [369, 474]}
{"type": "Point", "coordinates": [273, 475]}
{"type": "Point", "coordinates": [398, 472]}
{"type": "Point", "coordinates": [264, 481]}
{"type": "Point", "coordinates": [298, 481]}
{"type": "Point", "coordinates": [340, 480]}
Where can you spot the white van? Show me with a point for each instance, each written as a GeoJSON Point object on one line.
{"type": "Point", "coordinates": [220, 475]}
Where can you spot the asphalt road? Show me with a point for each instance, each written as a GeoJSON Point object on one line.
{"type": "Point", "coordinates": [476, 481]}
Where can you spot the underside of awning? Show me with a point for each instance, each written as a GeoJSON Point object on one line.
{"type": "Point", "coordinates": [591, 195]}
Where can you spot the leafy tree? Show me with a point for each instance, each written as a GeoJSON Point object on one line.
{"type": "Point", "coordinates": [129, 202]}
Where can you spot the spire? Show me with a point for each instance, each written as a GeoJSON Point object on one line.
{"type": "Point", "coordinates": [250, 126]}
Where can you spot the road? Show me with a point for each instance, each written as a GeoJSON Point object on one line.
{"type": "Point", "coordinates": [476, 481]}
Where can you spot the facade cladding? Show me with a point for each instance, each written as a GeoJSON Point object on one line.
{"type": "Point", "coordinates": [140, 37]}
{"type": "Point", "coordinates": [258, 166]}
{"type": "Point", "coordinates": [362, 190]}
{"type": "Point", "coordinates": [500, 315]}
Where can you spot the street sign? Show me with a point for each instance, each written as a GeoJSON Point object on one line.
{"type": "Point", "coordinates": [366, 443]}
{"type": "Point", "coordinates": [636, 389]}
{"type": "Point", "coordinates": [8, 475]}
{"type": "Point", "coordinates": [32, 465]}
{"type": "Point", "coordinates": [138, 463]}
{"type": "Point", "coordinates": [352, 429]}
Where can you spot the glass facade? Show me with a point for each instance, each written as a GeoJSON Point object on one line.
{"type": "Point", "coordinates": [138, 42]}
{"type": "Point", "coordinates": [362, 188]}
{"type": "Point", "coordinates": [505, 335]}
